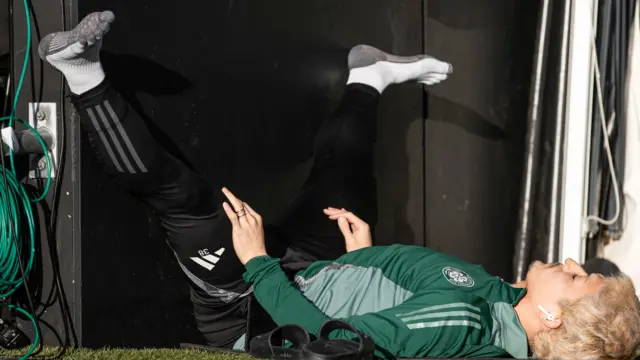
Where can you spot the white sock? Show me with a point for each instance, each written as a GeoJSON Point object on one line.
{"type": "Point", "coordinates": [380, 75]}
{"type": "Point", "coordinates": [82, 73]}
{"type": "Point", "coordinates": [369, 75]}
{"type": "Point", "coordinates": [76, 53]}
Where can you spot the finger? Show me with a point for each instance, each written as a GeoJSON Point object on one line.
{"type": "Point", "coordinates": [253, 213]}
{"type": "Point", "coordinates": [238, 207]}
{"type": "Point", "coordinates": [230, 214]}
{"type": "Point", "coordinates": [251, 219]}
{"type": "Point", "coordinates": [355, 220]}
{"type": "Point", "coordinates": [235, 202]}
{"type": "Point", "coordinates": [331, 211]}
{"type": "Point", "coordinates": [334, 211]}
{"type": "Point", "coordinates": [339, 214]}
{"type": "Point", "coordinates": [343, 224]}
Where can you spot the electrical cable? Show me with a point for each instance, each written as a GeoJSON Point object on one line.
{"type": "Point", "coordinates": [14, 196]}
{"type": "Point", "coordinates": [7, 93]}
{"type": "Point", "coordinates": [604, 35]}
{"type": "Point", "coordinates": [635, 21]}
{"type": "Point", "coordinates": [607, 146]}
{"type": "Point", "coordinates": [618, 68]}
{"type": "Point", "coordinates": [53, 216]}
{"type": "Point", "coordinates": [52, 226]}
{"type": "Point", "coordinates": [620, 75]}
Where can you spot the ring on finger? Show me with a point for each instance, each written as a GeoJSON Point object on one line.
{"type": "Point", "coordinates": [242, 212]}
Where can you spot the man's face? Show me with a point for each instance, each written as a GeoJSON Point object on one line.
{"type": "Point", "coordinates": [548, 284]}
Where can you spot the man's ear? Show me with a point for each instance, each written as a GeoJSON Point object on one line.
{"type": "Point", "coordinates": [550, 323]}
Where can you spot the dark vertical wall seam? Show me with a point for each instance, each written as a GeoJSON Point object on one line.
{"type": "Point", "coordinates": [425, 115]}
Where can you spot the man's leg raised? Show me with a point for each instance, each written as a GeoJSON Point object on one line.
{"type": "Point", "coordinates": [186, 203]}
{"type": "Point", "coordinates": [342, 174]}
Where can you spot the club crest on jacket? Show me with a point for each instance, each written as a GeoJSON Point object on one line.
{"type": "Point", "coordinates": [457, 277]}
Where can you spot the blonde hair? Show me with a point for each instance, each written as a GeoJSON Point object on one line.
{"type": "Point", "coordinates": [603, 326]}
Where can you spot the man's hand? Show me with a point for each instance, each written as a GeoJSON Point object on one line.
{"type": "Point", "coordinates": [356, 232]}
{"type": "Point", "coordinates": [248, 233]}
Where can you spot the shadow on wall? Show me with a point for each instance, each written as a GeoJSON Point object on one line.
{"type": "Point", "coordinates": [160, 297]}
{"type": "Point", "coordinates": [131, 75]}
{"type": "Point", "coordinates": [281, 71]}
{"type": "Point", "coordinates": [469, 120]}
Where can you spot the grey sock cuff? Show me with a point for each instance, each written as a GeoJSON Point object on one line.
{"type": "Point", "coordinates": [365, 55]}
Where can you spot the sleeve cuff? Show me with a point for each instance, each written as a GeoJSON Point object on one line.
{"type": "Point", "coordinates": [258, 265]}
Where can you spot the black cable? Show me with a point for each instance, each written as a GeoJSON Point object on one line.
{"type": "Point", "coordinates": [30, 301]}
{"type": "Point", "coordinates": [52, 226]}
{"type": "Point", "coordinates": [603, 44]}
{"type": "Point", "coordinates": [624, 21]}
{"type": "Point", "coordinates": [621, 111]}
{"type": "Point", "coordinates": [597, 180]}
{"type": "Point", "coordinates": [21, 266]}
{"type": "Point", "coordinates": [9, 94]}
{"type": "Point", "coordinates": [609, 98]}
{"type": "Point", "coordinates": [53, 216]}
{"type": "Point", "coordinates": [617, 135]}
{"type": "Point", "coordinates": [52, 231]}
{"type": "Point", "coordinates": [610, 108]}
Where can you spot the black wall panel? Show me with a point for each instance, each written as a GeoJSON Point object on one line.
{"type": "Point", "coordinates": [240, 87]}
{"type": "Point", "coordinates": [476, 127]}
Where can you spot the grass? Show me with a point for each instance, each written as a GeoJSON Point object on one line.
{"type": "Point", "coordinates": [143, 354]}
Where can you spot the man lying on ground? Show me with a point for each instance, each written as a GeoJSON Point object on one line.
{"type": "Point", "coordinates": [416, 302]}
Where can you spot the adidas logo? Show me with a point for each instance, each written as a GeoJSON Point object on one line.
{"type": "Point", "coordinates": [206, 260]}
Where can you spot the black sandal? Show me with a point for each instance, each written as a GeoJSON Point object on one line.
{"type": "Point", "coordinates": [339, 349]}
{"type": "Point", "coordinates": [272, 344]}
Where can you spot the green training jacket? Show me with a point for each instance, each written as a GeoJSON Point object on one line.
{"type": "Point", "coordinates": [412, 302]}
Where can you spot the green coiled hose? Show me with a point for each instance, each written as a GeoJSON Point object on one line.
{"type": "Point", "coordinates": [16, 212]}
